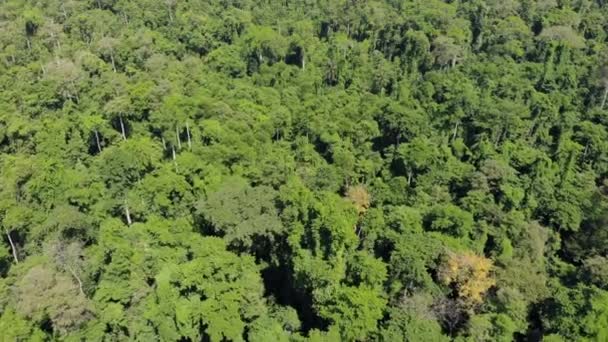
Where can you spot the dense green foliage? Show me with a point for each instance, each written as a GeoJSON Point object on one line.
{"type": "Point", "coordinates": [329, 170]}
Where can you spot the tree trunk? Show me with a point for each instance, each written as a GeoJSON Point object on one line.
{"type": "Point", "coordinates": [604, 97]}
{"type": "Point", "coordinates": [77, 279]}
{"type": "Point", "coordinates": [164, 143]}
{"type": "Point", "coordinates": [585, 151]}
{"type": "Point", "coordinates": [188, 134]}
{"type": "Point", "coordinates": [455, 131]}
{"type": "Point", "coordinates": [179, 141]}
{"type": "Point", "coordinates": [479, 41]}
{"type": "Point", "coordinates": [112, 60]}
{"type": "Point", "coordinates": [97, 141]}
{"type": "Point", "coordinates": [170, 13]}
{"type": "Point", "coordinates": [499, 137]}
{"type": "Point", "coordinates": [122, 128]}
{"type": "Point", "coordinates": [127, 213]}
{"type": "Point", "coordinates": [174, 159]}
{"type": "Point", "coordinates": [13, 248]}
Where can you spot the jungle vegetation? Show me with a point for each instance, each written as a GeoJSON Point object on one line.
{"type": "Point", "coordinates": [313, 170]}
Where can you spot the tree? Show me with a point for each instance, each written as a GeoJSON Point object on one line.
{"type": "Point", "coordinates": [411, 320]}
{"type": "Point", "coordinates": [360, 198]}
{"type": "Point", "coordinates": [351, 170]}
{"type": "Point", "coordinates": [417, 156]}
{"type": "Point", "coordinates": [68, 257]}
{"type": "Point", "coordinates": [33, 20]}
{"type": "Point", "coordinates": [245, 216]}
{"type": "Point", "coordinates": [116, 110]}
{"type": "Point", "coordinates": [66, 76]}
{"type": "Point", "coordinates": [595, 321]}
{"type": "Point", "coordinates": [264, 46]}
{"type": "Point", "coordinates": [354, 310]}
{"type": "Point", "coordinates": [563, 35]}
{"type": "Point", "coordinates": [107, 48]}
{"type": "Point", "coordinates": [43, 292]}
{"type": "Point", "coordinates": [223, 307]}
{"type": "Point", "coordinates": [603, 82]}
{"type": "Point", "coordinates": [450, 219]}
{"type": "Point", "coordinates": [447, 52]}
{"type": "Point", "coordinates": [469, 273]}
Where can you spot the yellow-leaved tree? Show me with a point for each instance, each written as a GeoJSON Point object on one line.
{"type": "Point", "coordinates": [469, 273]}
{"type": "Point", "coordinates": [359, 196]}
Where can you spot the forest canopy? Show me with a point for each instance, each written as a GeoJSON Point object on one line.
{"type": "Point", "coordinates": [317, 170]}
